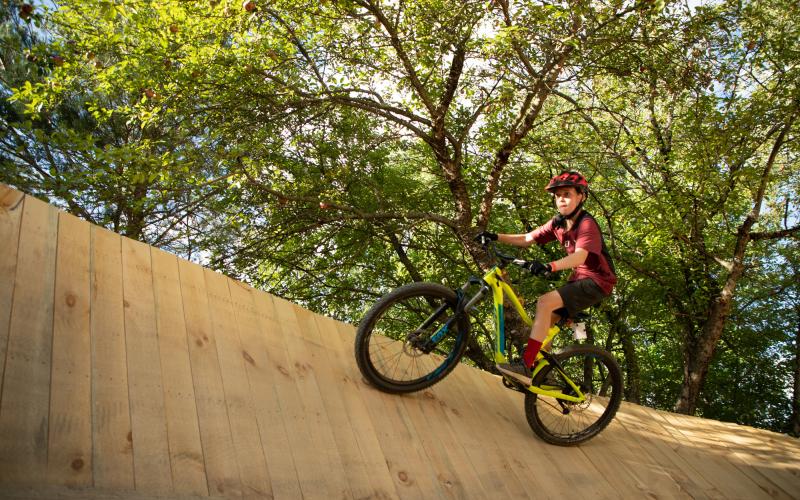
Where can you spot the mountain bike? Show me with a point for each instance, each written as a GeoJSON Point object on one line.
{"type": "Point", "coordinates": [415, 335]}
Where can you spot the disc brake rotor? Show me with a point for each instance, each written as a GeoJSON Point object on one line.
{"type": "Point", "coordinates": [409, 347]}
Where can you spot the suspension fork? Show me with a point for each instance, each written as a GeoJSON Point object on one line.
{"type": "Point", "coordinates": [463, 306]}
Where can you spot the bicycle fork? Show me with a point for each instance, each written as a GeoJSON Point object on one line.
{"type": "Point", "coordinates": [463, 307]}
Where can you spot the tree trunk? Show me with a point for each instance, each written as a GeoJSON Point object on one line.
{"type": "Point", "coordinates": [477, 356]}
{"type": "Point", "coordinates": [699, 351]}
{"type": "Point", "coordinates": [633, 392]}
{"type": "Point", "coordinates": [633, 377]}
{"type": "Point", "coordinates": [698, 356]}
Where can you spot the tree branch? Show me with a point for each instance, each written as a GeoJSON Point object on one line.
{"type": "Point", "coordinates": [645, 185]}
{"type": "Point", "coordinates": [411, 72]}
{"type": "Point", "coordinates": [775, 235]}
{"type": "Point", "coordinates": [355, 213]}
{"type": "Point", "coordinates": [544, 87]}
{"type": "Point", "coordinates": [403, 256]}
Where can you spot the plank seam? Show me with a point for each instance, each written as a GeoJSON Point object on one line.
{"type": "Point", "coordinates": [221, 375]}
{"type": "Point", "coordinates": [127, 363]}
{"type": "Point", "coordinates": [161, 367]}
{"type": "Point", "coordinates": [237, 320]}
{"type": "Point", "coordinates": [194, 389]}
{"type": "Point", "coordinates": [13, 294]}
{"type": "Point", "coordinates": [92, 381]}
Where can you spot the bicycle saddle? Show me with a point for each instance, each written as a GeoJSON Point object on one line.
{"type": "Point", "coordinates": [581, 317]}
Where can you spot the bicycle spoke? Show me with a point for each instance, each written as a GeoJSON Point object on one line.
{"type": "Point", "coordinates": [565, 422]}
{"type": "Point", "coordinates": [396, 339]}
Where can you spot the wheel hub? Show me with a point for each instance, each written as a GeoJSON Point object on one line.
{"type": "Point", "coordinates": [413, 345]}
{"type": "Point", "coordinates": [418, 343]}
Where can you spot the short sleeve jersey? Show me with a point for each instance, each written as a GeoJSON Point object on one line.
{"type": "Point", "coordinates": [585, 235]}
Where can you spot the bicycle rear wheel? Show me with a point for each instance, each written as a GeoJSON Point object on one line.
{"type": "Point", "coordinates": [564, 423]}
{"type": "Point", "coordinates": [411, 339]}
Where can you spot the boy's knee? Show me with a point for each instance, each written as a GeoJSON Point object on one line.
{"type": "Point", "coordinates": [548, 302]}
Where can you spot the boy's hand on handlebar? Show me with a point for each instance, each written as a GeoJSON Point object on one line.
{"type": "Point", "coordinates": [484, 237]}
{"type": "Point", "coordinates": [537, 268]}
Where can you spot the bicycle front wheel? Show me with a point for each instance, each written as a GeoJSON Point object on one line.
{"type": "Point", "coordinates": [565, 423]}
{"type": "Point", "coordinates": [411, 338]}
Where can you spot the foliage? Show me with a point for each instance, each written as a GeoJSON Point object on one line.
{"type": "Point", "coordinates": [329, 151]}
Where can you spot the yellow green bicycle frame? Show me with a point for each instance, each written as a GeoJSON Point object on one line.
{"type": "Point", "coordinates": [500, 288]}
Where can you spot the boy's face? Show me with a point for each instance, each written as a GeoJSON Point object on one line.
{"type": "Point", "coordinates": [567, 199]}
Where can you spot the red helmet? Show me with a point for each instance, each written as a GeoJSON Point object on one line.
{"type": "Point", "coordinates": [569, 179]}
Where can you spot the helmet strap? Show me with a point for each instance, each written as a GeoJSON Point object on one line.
{"type": "Point", "coordinates": [561, 220]}
{"type": "Point", "coordinates": [574, 212]}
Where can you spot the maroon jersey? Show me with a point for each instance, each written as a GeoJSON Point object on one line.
{"type": "Point", "coordinates": [584, 234]}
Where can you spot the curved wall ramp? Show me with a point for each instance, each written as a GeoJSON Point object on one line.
{"type": "Point", "coordinates": [129, 373]}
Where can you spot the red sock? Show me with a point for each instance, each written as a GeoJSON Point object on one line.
{"type": "Point", "coordinates": [531, 351]}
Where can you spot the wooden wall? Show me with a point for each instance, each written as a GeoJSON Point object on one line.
{"type": "Point", "coordinates": [129, 373]}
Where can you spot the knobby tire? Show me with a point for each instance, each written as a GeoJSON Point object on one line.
{"type": "Point", "coordinates": [598, 375]}
{"type": "Point", "coordinates": [387, 359]}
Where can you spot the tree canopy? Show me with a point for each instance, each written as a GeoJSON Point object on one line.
{"type": "Point", "coordinates": [330, 150]}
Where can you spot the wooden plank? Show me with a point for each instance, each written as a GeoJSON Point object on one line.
{"type": "Point", "coordinates": [661, 445]}
{"type": "Point", "coordinates": [112, 453]}
{"type": "Point", "coordinates": [476, 430]}
{"type": "Point", "coordinates": [298, 378]}
{"type": "Point", "coordinates": [308, 328]}
{"type": "Point", "coordinates": [215, 432]}
{"type": "Point", "coordinates": [70, 439]}
{"type": "Point", "coordinates": [338, 339]}
{"type": "Point", "coordinates": [718, 463]}
{"type": "Point", "coordinates": [550, 468]}
{"type": "Point", "coordinates": [323, 379]}
{"type": "Point", "coordinates": [713, 467]}
{"type": "Point", "coordinates": [619, 473]}
{"type": "Point", "coordinates": [446, 410]}
{"type": "Point", "coordinates": [26, 384]}
{"type": "Point", "coordinates": [590, 468]}
{"type": "Point", "coordinates": [455, 471]}
{"type": "Point", "coordinates": [11, 203]}
{"type": "Point", "coordinates": [761, 453]}
{"type": "Point", "coordinates": [57, 492]}
{"type": "Point", "coordinates": [304, 368]}
{"type": "Point", "coordinates": [396, 442]}
{"type": "Point", "coordinates": [621, 458]}
{"type": "Point", "coordinates": [244, 427]}
{"type": "Point", "coordinates": [416, 461]}
{"type": "Point", "coordinates": [768, 458]}
{"type": "Point", "coordinates": [263, 376]}
{"type": "Point", "coordinates": [183, 431]}
{"type": "Point", "coordinates": [303, 439]}
{"type": "Point", "coordinates": [480, 410]}
{"type": "Point", "coordinates": [453, 465]}
{"type": "Point", "coordinates": [148, 418]}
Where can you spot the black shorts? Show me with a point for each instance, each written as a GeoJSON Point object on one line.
{"type": "Point", "coordinates": [579, 295]}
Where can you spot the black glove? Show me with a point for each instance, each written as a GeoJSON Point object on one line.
{"type": "Point", "coordinates": [485, 237]}
{"type": "Point", "coordinates": [537, 268]}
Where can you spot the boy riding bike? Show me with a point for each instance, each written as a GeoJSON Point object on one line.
{"type": "Point", "coordinates": [593, 277]}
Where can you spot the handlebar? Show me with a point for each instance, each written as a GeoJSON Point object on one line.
{"type": "Point", "coordinates": [503, 258]}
